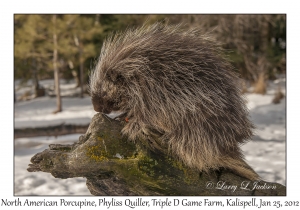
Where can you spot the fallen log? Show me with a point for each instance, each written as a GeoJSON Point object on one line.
{"type": "Point", "coordinates": [113, 165]}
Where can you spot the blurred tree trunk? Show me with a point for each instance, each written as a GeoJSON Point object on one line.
{"type": "Point", "coordinates": [38, 90]}
{"type": "Point", "coordinates": [81, 71]}
{"type": "Point", "coordinates": [34, 75]}
{"type": "Point", "coordinates": [74, 73]}
{"type": "Point", "coordinates": [80, 49]}
{"type": "Point", "coordinates": [55, 68]}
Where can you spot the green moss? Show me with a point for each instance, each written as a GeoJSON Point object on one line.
{"type": "Point", "coordinates": [189, 175]}
{"type": "Point", "coordinates": [47, 164]}
{"type": "Point", "coordinates": [138, 167]}
{"type": "Point", "coordinates": [148, 166]}
{"type": "Point", "coordinates": [106, 147]}
{"type": "Point", "coordinates": [97, 153]}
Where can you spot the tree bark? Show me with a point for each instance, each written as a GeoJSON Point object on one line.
{"type": "Point", "coordinates": [55, 68]}
{"type": "Point", "coordinates": [81, 70]}
{"type": "Point", "coordinates": [80, 50]}
{"type": "Point", "coordinates": [115, 166]}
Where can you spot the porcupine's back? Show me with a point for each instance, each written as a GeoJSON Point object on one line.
{"type": "Point", "coordinates": [178, 84]}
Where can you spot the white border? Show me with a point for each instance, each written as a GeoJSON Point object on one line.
{"type": "Point", "coordinates": [8, 8]}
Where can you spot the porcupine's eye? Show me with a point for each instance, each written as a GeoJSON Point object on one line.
{"type": "Point", "coordinates": [115, 78]}
{"type": "Point", "coordinates": [108, 77]}
{"type": "Point", "coordinates": [119, 78]}
{"type": "Point", "coordinates": [111, 76]}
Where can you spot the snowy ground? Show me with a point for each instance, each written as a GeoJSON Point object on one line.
{"type": "Point", "coordinates": [266, 153]}
{"type": "Point", "coordinates": [39, 183]}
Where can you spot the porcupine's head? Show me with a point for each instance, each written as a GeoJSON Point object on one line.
{"type": "Point", "coordinates": [106, 82]}
{"type": "Point", "coordinates": [122, 71]}
{"type": "Point", "coordinates": [106, 92]}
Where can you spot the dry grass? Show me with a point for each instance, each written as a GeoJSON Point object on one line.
{"type": "Point", "coordinates": [278, 96]}
{"type": "Point", "coordinates": [244, 88]}
{"type": "Point", "coordinates": [260, 86]}
{"type": "Point", "coordinates": [25, 96]}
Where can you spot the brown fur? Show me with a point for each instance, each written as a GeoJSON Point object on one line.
{"type": "Point", "coordinates": [176, 84]}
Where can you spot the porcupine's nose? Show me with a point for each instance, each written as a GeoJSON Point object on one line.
{"type": "Point", "coordinates": [99, 105]}
{"type": "Point", "coordinates": [102, 109]}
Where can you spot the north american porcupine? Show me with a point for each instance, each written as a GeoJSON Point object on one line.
{"type": "Point", "coordinates": [177, 84]}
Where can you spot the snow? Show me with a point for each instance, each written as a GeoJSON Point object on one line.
{"type": "Point", "coordinates": [266, 153]}
{"type": "Point", "coordinates": [39, 112]}
{"type": "Point", "coordinates": [39, 183]}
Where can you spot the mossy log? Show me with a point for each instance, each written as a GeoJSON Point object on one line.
{"type": "Point", "coordinates": [115, 166]}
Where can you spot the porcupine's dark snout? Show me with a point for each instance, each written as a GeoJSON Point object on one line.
{"type": "Point", "coordinates": [102, 105]}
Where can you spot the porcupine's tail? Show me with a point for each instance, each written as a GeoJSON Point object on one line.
{"type": "Point", "coordinates": [240, 167]}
